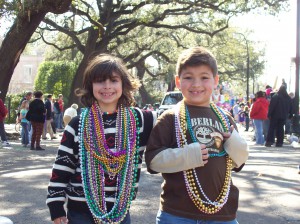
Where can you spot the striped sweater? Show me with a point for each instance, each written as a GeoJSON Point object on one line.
{"type": "Point", "coordinates": [66, 182]}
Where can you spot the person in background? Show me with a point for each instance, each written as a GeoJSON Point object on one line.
{"type": "Point", "coordinates": [28, 97]}
{"type": "Point", "coordinates": [284, 84]}
{"type": "Point", "coordinates": [156, 106]}
{"type": "Point", "coordinates": [57, 112]}
{"type": "Point", "coordinates": [36, 115]}
{"type": "Point", "coordinates": [49, 112]}
{"type": "Point", "coordinates": [70, 113]}
{"type": "Point", "coordinates": [3, 114]}
{"type": "Point", "coordinates": [235, 111]}
{"type": "Point", "coordinates": [241, 114]}
{"type": "Point", "coordinates": [288, 122]}
{"type": "Point", "coordinates": [61, 108]}
{"type": "Point", "coordinates": [268, 92]}
{"type": "Point", "coordinates": [24, 123]}
{"type": "Point", "coordinates": [279, 110]}
{"type": "Point", "coordinates": [247, 119]}
{"type": "Point", "coordinates": [53, 125]}
{"type": "Point", "coordinates": [258, 113]}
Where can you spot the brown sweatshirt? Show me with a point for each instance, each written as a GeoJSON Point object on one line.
{"type": "Point", "coordinates": [162, 142]}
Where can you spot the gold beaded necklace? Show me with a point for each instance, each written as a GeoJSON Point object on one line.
{"type": "Point", "coordinates": [192, 182]}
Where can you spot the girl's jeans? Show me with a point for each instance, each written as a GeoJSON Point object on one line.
{"type": "Point", "coordinates": [25, 133]}
{"type": "Point", "coordinates": [166, 218]}
{"type": "Point", "coordinates": [76, 217]}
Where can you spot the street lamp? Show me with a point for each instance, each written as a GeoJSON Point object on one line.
{"type": "Point", "coordinates": [248, 66]}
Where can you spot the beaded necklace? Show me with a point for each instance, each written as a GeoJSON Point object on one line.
{"type": "Point", "coordinates": [193, 186]}
{"type": "Point", "coordinates": [97, 159]}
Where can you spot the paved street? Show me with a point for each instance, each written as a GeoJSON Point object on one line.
{"type": "Point", "coordinates": [269, 185]}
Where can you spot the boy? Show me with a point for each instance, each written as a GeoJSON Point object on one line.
{"type": "Point", "coordinates": [195, 146]}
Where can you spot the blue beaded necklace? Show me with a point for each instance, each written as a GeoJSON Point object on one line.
{"type": "Point", "coordinates": [93, 167]}
{"type": "Point", "coordinates": [222, 117]}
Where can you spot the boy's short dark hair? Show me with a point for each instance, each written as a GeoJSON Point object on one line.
{"type": "Point", "coordinates": [194, 57]}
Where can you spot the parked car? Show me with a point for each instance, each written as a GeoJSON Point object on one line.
{"type": "Point", "coordinates": [169, 101]}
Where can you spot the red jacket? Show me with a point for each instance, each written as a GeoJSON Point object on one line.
{"type": "Point", "coordinates": [259, 109]}
{"type": "Point", "coordinates": [3, 111]}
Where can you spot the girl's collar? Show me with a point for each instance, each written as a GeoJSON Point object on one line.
{"type": "Point", "coordinates": [109, 113]}
{"type": "Point", "coordinates": [107, 109]}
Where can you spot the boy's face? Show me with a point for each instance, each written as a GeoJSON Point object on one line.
{"type": "Point", "coordinates": [197, 84]}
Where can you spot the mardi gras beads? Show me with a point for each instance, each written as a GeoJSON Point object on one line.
{"type": "Point", "coordinates": [193, 186]}
{"type": "Point", "coordinates": [97, 159]}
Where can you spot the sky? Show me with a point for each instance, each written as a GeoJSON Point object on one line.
{"type": "Point", "coordinates": [278, 36]}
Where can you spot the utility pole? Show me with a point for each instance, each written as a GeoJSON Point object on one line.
{"type": "Point", "coordinates": [248, 66]}
{"type": "Point", "coordinates": [295, 128]}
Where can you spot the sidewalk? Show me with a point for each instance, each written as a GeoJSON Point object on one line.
{"type": "Point", "coordinates": [269, 185]}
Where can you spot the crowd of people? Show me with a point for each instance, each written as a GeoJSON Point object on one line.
{"type": "Point", "coordinates": [270, 113]}
{"type": "Point", "coordinates": [38, 117]}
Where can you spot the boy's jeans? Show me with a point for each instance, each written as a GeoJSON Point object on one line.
{"type": "Point", "coordinates": [167, 218]}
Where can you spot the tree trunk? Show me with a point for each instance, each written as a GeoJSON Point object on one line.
{"type": "Point", "coordinates": [20, 33]}
{"type": "Point", "coordinates": [171, 85]}
{"type": "Point", "coordinates": [146, 98]}
{"type": "Point", "coordinates": [13, 46]}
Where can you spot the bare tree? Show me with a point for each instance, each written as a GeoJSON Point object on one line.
{"type": "Point", "coordinates": [28, 18]}
{"type": "Point", "coordinates": [106, 24]}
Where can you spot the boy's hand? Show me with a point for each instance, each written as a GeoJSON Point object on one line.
{"type": "Point", "coordinates": [204, 152]}
{"type": "Point", "coordinates": [227, 135]}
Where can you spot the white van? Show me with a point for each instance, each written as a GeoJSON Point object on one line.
{"type": "Point", "coordinates": [169, 101]}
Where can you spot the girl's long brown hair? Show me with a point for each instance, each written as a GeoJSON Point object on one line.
{"type": "Point", "coordinates": [100, 68]}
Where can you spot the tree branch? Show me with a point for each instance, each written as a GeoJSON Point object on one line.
{"type": "Point", "coordinates": [71, 34]}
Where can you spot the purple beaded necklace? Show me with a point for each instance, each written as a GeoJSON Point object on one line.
{"type": "Point", "coordinates": [119, 163]}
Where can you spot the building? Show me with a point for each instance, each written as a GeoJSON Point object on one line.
{"type": "Point", "coordinates": [25, 73]}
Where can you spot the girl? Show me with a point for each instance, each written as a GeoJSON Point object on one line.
{"type": "Point", "coordinates": [24, 123]}
{"type": "Point", "coordinates": [99, 159]}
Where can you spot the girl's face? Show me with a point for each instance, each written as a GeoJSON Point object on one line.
{"type": "Point", "coordinates": [108, 92]}
{"type": "Point", "coordinates": [197, 84]}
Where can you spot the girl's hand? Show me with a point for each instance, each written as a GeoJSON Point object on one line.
{"type": "Point", "coordinates": [204, 152]}
{"type": "Point", "coordinates": [227, 135]}
{"type": "Point", "coordinates": [61, 220]}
